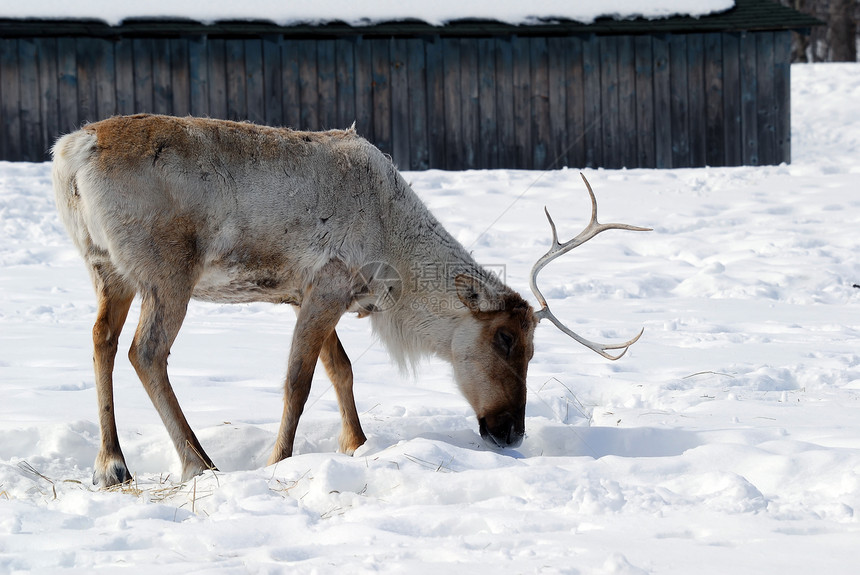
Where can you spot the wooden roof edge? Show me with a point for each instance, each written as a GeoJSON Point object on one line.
{"type": "Point", "coordinates": [747, 15]}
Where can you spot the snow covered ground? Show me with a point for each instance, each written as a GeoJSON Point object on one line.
{"type": "Point", "coordinates": [727, 440]}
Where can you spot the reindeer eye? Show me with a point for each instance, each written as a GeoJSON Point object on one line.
{"type": "Point", "coordinates": [505, 341]}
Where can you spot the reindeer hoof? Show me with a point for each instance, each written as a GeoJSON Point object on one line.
{"type": "Point", "coordinates": [348, 442]}
{"type": "Point", "coordinates": [189, 472]}
{"type": "Point", "coordinates": [115, 473]}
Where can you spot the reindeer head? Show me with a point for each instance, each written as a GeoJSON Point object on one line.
{"type": "Point", "coordinates": [494, 343]}
{"type": "Point", "coordinates": [491, 349]}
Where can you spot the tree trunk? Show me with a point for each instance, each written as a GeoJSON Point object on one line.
{"type": "Point", "coordinates": [800, 45]}
{"type": "Point", "coordinates": [843, 31]}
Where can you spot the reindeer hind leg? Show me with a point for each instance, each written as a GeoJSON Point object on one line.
{"type": "Point", "coordinates": [114, 300]}
{"type": "Point", "coordinates": [163, 309]}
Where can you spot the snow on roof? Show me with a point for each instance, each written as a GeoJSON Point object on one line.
{"type": "Point", "coordinates": [289, 12]}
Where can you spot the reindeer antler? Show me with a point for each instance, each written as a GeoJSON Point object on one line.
{"type": "Point", "coordinates": [558, 249]}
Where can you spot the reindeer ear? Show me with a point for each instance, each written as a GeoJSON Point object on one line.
{"type": "Point", "coordinates": [474, 294]}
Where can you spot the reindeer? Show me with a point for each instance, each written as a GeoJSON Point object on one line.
{"type": "Point", "coordinates": [178, 208]}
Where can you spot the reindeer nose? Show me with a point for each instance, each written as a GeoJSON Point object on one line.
{"type": "Point", "coordinates": [501, 430]}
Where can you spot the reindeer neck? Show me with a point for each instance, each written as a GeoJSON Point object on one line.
{"type": "Point", "coordinates": [427, 258]}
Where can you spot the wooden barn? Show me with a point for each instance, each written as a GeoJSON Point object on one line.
{"type": "Point", "coordinates": [674, 92]}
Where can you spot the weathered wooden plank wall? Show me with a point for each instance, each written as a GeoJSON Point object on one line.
{"type": "Point", "coordinates": [657, 101]}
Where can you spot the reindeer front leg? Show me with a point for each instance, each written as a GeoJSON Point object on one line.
{"type": "Point", "coordinates": [339, 370]}
{"type": "Point", "coordinates": [322, 305]}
